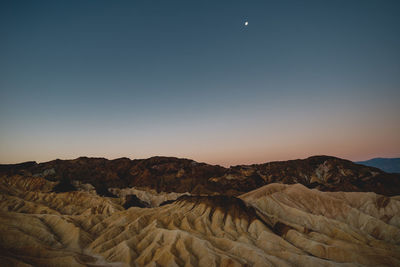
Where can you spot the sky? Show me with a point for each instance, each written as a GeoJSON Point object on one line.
{"type": "Point", "coordinates": [188, 79]}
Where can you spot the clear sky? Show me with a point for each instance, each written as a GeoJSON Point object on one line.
{"type": "Point", "coordinates": [189, 79]}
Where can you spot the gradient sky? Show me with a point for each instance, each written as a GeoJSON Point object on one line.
{"type": "Point", "coordinates": [188, 79]}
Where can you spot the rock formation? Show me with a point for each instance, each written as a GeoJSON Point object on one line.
{"type": "Point", "coordinates": [273, 225]}
{"type": "Point", "coordinates": [166, 174]}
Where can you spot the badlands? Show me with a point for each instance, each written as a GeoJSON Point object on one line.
{"type": "Point", "coordinates": [320, 211]}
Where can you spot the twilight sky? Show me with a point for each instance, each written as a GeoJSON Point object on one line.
{"type": "Point", "coordinates": [188, 79]}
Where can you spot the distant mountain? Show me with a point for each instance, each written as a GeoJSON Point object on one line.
{"type": "Point", "coordinates": [167, 174]}
{"type": "Point", "coordinates": [391, 165]}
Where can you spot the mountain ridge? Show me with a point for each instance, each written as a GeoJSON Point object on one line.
{"type": "Point", "coordinates": [171, 174]}
{"type": "Point", "coordinates": [390, 165]}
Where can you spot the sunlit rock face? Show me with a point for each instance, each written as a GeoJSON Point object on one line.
{"type": "Point", "coordinates": [353, 227]}
{"type": "Point", "coordinates": [274, 225]}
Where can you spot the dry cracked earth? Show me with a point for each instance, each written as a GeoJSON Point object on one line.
{"type": "Point", "coordinates": [320, 211]}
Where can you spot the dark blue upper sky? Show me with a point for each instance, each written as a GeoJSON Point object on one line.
{"type": "Point", "coordinates": [187, 78]}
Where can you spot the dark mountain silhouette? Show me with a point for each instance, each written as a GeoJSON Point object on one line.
{"type": "Point", "coordinates": [171, 174]}
{"type": "Point", "coordinates": [390, 165]}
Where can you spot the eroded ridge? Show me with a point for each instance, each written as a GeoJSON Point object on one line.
{"type": "Point", "coordinates": [274, 225]}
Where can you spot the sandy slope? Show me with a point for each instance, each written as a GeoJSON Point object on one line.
{"type": "Point", "coordinates": [349, 227]}
{"type": "Point", "coordinates": [275, 225]}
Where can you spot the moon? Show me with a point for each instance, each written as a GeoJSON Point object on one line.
{"type": "Point", "coordinates": [246, 23]}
